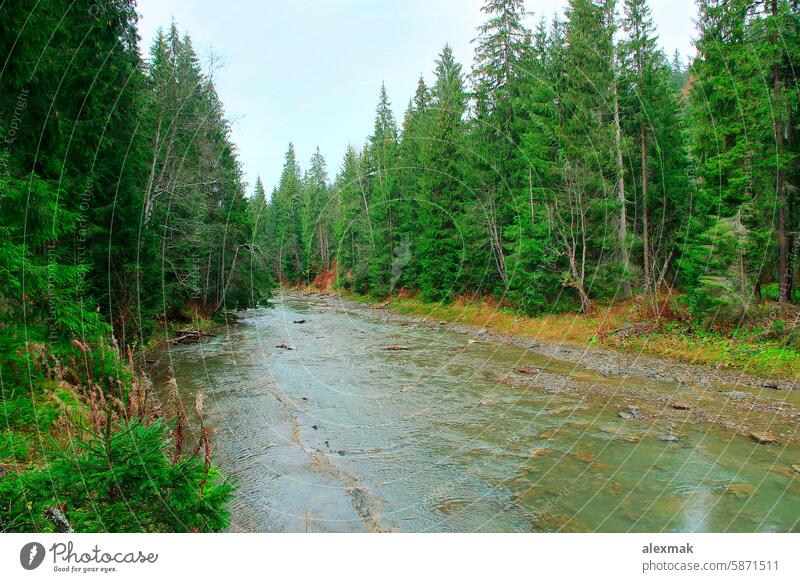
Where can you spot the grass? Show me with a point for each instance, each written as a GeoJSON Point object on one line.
{"type": "Point", "coordinates": [757, 358]}
{"type": "Point", "coordinates": [31, 424]}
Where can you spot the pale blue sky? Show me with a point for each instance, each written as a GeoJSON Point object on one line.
{"type": "Point", "coordinates": [309, 71]}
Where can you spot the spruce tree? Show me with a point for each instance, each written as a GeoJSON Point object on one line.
{"type": "Point", "coordinates": [440, 240]}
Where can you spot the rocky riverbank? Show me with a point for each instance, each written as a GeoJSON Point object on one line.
{"type": "Point", "coordinates": [766, 410]}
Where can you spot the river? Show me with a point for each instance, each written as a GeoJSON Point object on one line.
{"type": "Point", "coordinates": [338, 434]}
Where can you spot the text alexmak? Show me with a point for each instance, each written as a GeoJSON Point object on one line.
{"type": "Point", "coordinates": [653, 549]}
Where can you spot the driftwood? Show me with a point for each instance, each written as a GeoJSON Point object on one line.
{"type": "Point", "coordinates": [396, 348]}
{"type": "Point", "coordinates": [189, 336]}
{"type": "Point", "coordinates": [383, 305]}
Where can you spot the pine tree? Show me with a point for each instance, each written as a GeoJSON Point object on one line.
{"type": "Point", "coordinates": [413, 145]}
{"type": "Point", "coordinates": [83, 224]}
{"type": "Point", "coordinates": [535, 282]}
{"type": "Point", "coordinates": [380, 166]}
{"type": "Point", "coordinates": [316, 217]}
{"type": "Point", "coordinates": [582, 203]}
{"type": "Point", "coordinates": [651, 112]}
{"type": "Point", "coordinates": [501, 44]}
{"type": "Point", "coordinates": [286, 226]}
{"type": "Point", "coordinates": [440, 240]}
{"type": "Point", "coordinates": [353, 228]}
{"type": "Point", "coordinates": [738, 135]}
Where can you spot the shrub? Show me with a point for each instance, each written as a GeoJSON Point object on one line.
{"type": "Point", "coordinates": [123, 483]}
{"type": "Point", "coordinates": [720, 289]}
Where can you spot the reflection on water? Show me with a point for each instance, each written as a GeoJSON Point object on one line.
{"type": "Point", "coordinates": [339, 434]}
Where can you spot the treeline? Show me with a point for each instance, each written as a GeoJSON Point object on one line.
{"type": "Point", "coordinates": [576, 162]}
{"type": "Point", "coordinates": [122, 207]}
{"type": "Point", "coordinates": [121, 189]}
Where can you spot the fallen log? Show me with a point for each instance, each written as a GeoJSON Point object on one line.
{"type": "Point", "coordinates": [396, 348]}
{"type": "Point", "coordinates": [189, 336]}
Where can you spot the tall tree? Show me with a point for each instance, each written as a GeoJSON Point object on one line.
{"type": "Point", "coordinates": [317, 218]}
{"type": "Point", "coordinates": [379, 161]}
{"type": "Point", "coordinates": [500, 47]}
{"type": "Point", "coordinates": [441, 243]}
{"type": "Point", "coordinates": [353, 228]}
{"type": "Point", "coordinates": [286, 226]}
{"type": "Point", "coordinates": [652, 120]}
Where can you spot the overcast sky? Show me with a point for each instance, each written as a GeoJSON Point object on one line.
{"type": "Point", "coordinates": [309, 71]}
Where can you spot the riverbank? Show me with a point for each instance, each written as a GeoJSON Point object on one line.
{"type": "Point", "coordinates": [765, 409]}
{"type": "Point", "coordinates": [334, 415]}
{"type": "Point", "coordinates": [610, 338]}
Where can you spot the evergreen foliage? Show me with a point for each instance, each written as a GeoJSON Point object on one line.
{"type": "Point", "coordinates": [577, 162]}
{"type": "Point", "coordinates": [122, 208]}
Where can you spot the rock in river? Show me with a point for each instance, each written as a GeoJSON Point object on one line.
{"type": "Point", "coordinates": [740, 489]}
{"type": "Point", "coordinates": [763, 438]}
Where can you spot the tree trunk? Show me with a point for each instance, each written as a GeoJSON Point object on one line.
{"type": "Point", "coordinates": [783, 239]}
{"type": "Point", "coordinates": [623, 216]}
{"type": "Point", "coordinates": [648, 277]}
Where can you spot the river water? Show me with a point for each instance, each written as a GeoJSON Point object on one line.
{"type": "Point", "coordinates": [339, 434]}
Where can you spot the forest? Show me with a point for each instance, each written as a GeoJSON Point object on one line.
{"type": "Point", "coordinates": [123, 209]}
{"type": "Point", "coordinates": [571, 166]}
{"type": "Point", "coordinates": [575, 163]}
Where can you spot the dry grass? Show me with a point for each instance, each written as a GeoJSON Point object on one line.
{"type": "Point", "coordinates": [566, 327]}
{"type": "Point", "coordinates": [628, 326]}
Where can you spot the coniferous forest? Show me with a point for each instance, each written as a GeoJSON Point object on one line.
{"type": "Point", "coordinates": [574, 163]}
{"type": "Point", "coordinates": [571, 167]}
{"type": "Point", "coordinates": [123, 209]}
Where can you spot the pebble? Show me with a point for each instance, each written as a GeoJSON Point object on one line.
{"type": "Point", "coordinates": [735, 394]}
{"type": "Point", "coordinates": [763, 438]}
{"type": "Point", "coordinates": [633, 412]}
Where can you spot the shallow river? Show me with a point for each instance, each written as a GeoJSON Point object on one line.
{"type": "Point", "coordinates": [339, 434]}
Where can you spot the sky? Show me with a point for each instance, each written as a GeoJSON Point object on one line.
{"type": "Point", "coordinates": [309, 71]}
